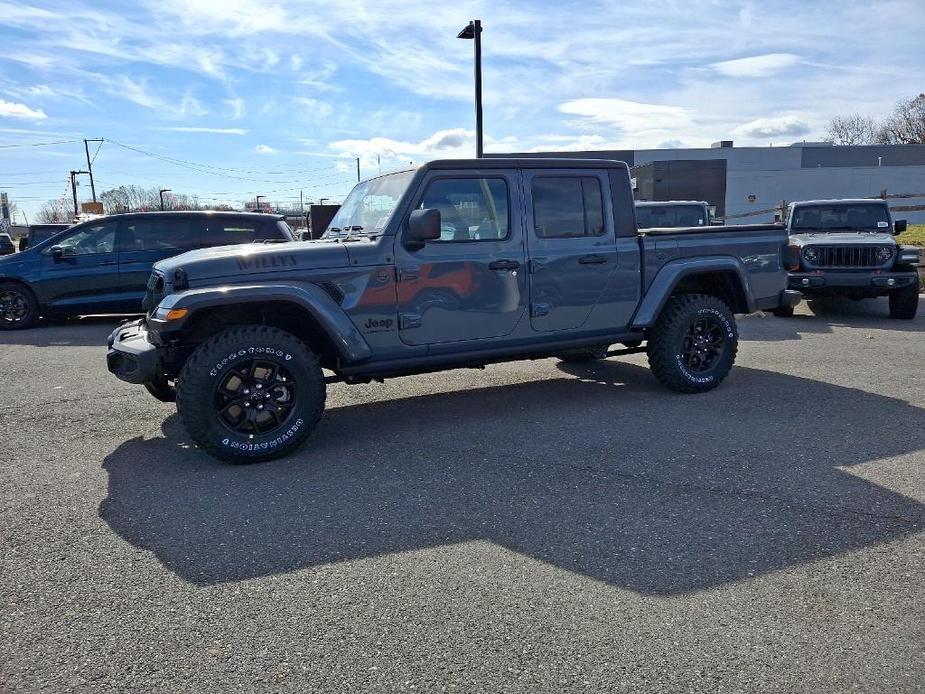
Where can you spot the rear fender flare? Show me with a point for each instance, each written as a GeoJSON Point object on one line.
{"type": "Point", "coordinates": [670, 275]}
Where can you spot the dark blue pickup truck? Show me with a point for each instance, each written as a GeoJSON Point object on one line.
{"type": "Point", "coordinates": [103, 265]}
{"type": "Point", "coordinates": [454, 264]}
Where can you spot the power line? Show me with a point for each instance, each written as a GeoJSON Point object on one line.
{"type": "Point", "coordinates": [216, 170]}
{"type": "Point", "coordinates": [40, 144]}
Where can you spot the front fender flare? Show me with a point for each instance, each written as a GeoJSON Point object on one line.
{"type": "Point", "coordinates": [671, 274]}
{"type": "Point", "coordinates": [343, 334]}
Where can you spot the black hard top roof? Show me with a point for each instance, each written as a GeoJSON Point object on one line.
{"type": "Point", "coordinates": [199, 213]}
{"type": "Point", "coordinates": [525, 163]}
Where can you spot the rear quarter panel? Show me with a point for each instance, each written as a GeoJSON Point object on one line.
{"type": "Point", "coordinates": [759, 250]}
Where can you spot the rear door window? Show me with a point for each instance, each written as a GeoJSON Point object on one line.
{"type": "Point", "coordinates": [157, 233]}
{"type": "Point", "coordinates": [567, 207]}
{"type": "Point", "coordinates": [223, 231]}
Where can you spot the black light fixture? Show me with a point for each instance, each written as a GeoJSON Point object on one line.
{"type": "Point", "coordinates": [473, 31]}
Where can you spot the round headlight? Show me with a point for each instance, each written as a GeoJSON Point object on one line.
{"type": "Point", "coordinates": [884, 253]}
{"type": "Point", "coordinates": [810, 254]}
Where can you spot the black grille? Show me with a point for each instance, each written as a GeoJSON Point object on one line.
{"type": "Point", "coordinates": [846, 256]}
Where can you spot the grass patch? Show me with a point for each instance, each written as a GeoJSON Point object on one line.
{"type": "Point", "coordinates": [914, 235]}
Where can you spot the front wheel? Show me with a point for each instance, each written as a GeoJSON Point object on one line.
{"type": "Point", "coordinates": [693, 343]}
{"type": "Point", "coordinates": [904, 302]}
{"type": "Point", "coordinates": [18, 307]}
{"type": "Point", "coordinates": [251, 393]}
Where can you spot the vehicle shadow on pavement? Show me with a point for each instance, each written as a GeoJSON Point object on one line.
{"type": "Point", "coordinates": [598, 471]}
{"type": "Point", "coordinates": [86, 331]}
{"type": "Point", "coordinates": [819, 315]}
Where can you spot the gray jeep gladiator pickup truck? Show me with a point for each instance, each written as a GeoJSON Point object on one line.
{"type": "Point", "coordinates": [847, 248]}
{"type": "Point", "coordinates": [455, 264]}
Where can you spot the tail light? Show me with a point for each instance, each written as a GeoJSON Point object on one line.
{"type": "Point", "coordinates": [792, 257]}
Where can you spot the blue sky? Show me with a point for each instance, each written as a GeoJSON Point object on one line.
{"type": "Point", "coordinates": [241, 97]}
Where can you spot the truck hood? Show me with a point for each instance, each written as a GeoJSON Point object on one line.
{"type": "Point", "coordinates": [842, 238]}
{"type": "Point", "coordinates": [256, 258]}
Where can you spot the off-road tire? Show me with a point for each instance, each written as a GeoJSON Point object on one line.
{"type": "Point", "coordinates": [209, 367]}
{"type": "Point", "coordinates": [670, 332]}
{"type": "Point", "coordinates": [9, 290]}
{"type": "Point", "coordinates": [162, 390]}
{"type": "Point", "coordinates": [584, 356]}
{"type": "Point", "coordinates": [783, 311]}
{"type": "Point", "coordinates": [904, 302]}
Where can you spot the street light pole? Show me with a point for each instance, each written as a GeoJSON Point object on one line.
{"type": "Point", "coordinates": [473, 31]}
{"type": "Point", "coordinates": [161, 193]}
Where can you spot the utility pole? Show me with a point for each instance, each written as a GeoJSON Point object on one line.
{"type": "Point", "coordinates": [358, 169]}
{"type": "Point", "coordinates": [379, 163]}
{"type": "Point", "coordinates": [90, 165]}
{"type": "Point", "coordinates": [74, 175]}
{"type": "Point", "coordinates": [161, 193]}
{"type": "Point", "coordinates": [301, 204]}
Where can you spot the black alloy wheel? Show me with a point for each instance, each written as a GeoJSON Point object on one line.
{"type": "Point", "coordinates": [18, 307]}
{"type": "Point", "coordinates": [256, 397]}
{"type": "Point", "coordinates": [704, 344]}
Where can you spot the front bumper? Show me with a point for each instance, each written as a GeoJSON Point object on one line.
{"type": "Point", "coordinates": [872, 279]}
{"type": "Point", "coordinates": [131, 357]}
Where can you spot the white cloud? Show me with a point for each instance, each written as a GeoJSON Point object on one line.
{"type": "Point", "coordinates": [639, 124]}
{"type": "Point", "coordinates": [756, 66]}
{"type": "Point", "coordinates": [217, 131]}
{"type": "Point", "coordinates": [295, 62]}
{"type": "Point", "coordinates": [456, 142]}
{"type": "Point", "coordinates": [237, 108]}
{"type": "Point", "coordinates": [313, 108]}
{"type": "Point", "coordinates": [264, 149]}
{"type": "Point", "coordinates": [782, 126]}
{"type": "Point", "coordinates": [11, 109]}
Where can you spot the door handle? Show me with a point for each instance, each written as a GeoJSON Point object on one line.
{"type": "Point", "coordinates": [504, 265]}
{"type": "Point", "coordinates": [592, 260]}
{"type": "Point", "coordinates": [109, 262]}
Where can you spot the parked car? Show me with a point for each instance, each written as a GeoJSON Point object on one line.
{"type": "Point", "coordinates": [673, 214]}
{"type": "Point", "coordinates": [7, 247]}
{"type": "Point", "coordinates": [847, 249]}
{"type": "Point", "coordinates": [40, 232]}
{"type": "Point", "coordinates": [102, 266]}
{"type": "Point", "coordinates": [482, 261]}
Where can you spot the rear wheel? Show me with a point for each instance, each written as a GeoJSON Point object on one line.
{"type": "Point", "coordinates": [904, 302]}
{"type": "Point", "coordinates": [693, 343]}
{"type": "Point", "coordinates": [251, 393]}
{"type": "Point", "coordinates": [18, 306]}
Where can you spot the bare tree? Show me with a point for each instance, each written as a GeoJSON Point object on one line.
{"type": "Point", "coordinates": [851, 130]}
{"type": "Point", "coordinates": [55, 212]}
{"type": "Point", "coordinates": [133, 198]}
{"type": "Point", "coordinates": [906, 125]}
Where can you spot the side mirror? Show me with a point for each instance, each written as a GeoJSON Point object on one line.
{"type": "Point", "coordinates": [899, 226]}
{"type": "Point", "coordinates": [57, 253]}
{"type": "Point", "coordinates": [423, 226]}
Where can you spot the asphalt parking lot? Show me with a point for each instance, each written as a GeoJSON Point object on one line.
{"type": "Point", "coordinates": [529, 527]}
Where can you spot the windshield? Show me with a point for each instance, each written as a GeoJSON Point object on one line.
{"type": "Point", "coordinates": [369, 206]}
{"type": "Point", "coordinates": [855, 217]}
{"type": "Point", "coordinates": [670, 216]}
